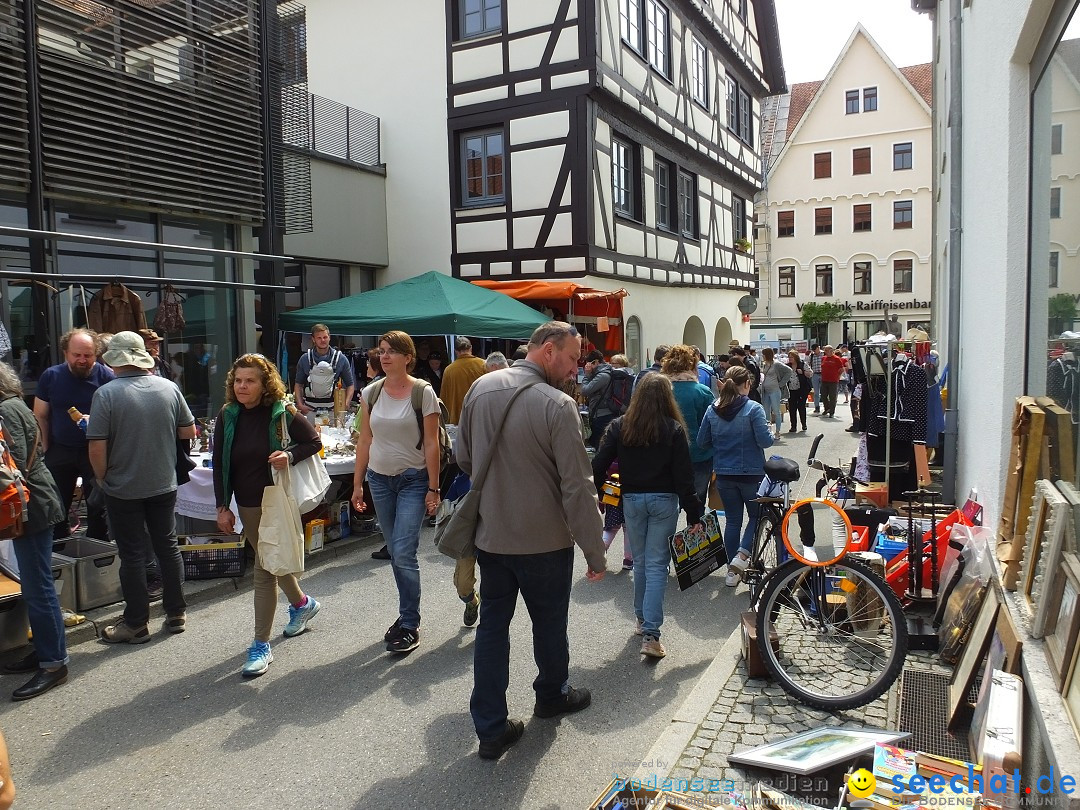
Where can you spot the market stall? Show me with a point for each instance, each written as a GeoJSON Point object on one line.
{"type": "Point", "coordinates": [597, 313]}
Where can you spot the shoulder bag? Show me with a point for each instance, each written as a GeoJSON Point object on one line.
{"type": "Point", "coordinates": [455, 528]}
{"type": "Point", "coordinates": [281, 537]}
{"type": "Point", "coordinates": [309, 480]}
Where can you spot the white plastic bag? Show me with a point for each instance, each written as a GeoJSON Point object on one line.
{"type": "Point", "coordinates": [281, 537]}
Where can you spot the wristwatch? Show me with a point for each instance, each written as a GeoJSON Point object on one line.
{"type": "Point", "coordinates": [431, 489]}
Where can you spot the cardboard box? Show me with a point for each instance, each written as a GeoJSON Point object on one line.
{"type": "Point", "coordinates": [314, 536]}
{"type": "Point", "coordinates": [338, 525]}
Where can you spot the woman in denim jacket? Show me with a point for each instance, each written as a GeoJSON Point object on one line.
{"type": "Point", "coordinates": [736, 430]}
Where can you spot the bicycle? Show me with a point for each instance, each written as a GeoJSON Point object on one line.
{"type": "Point", "coordinates": [830, 631]}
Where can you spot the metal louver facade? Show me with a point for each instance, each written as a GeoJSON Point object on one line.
{"type": "Point", "coordinates": [14, 149]}
{"type": "Point", "coordinates": [288, 87]}
{"type": "Point", "coordinates": [151, 103]}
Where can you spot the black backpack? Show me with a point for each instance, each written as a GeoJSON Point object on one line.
{"type": "Point", "coordinates": [619, 390]}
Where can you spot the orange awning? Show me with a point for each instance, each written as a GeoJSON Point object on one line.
{"type": "Point", "coordinates": [548, 290]}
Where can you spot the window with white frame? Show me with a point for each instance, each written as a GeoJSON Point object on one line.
{"type": "Point", "coordinates": [688, 203]}
{"type": "Point", "coordinates": [862, 283]}
{"type": "Point", "coordinates": [785, 277]}
{"type": "Point", "coordinates": [480, 17]}
{"type": "Point", "coordinates": [630, 22]}
{"type": "Point", "coordinates": [902, 280]}
{"type": "Point", "coordinates": [823, 279]}
{"type": "Point", "coordinates": [623, 173]}
{"type": "Point", "coordinates": [658, 33]}
{"type": "Point", "coordinates": [699, 68]}
{"type": "Point", "coordinates": [665, 192]}
{"type": "Point", "coordinates": [482, 167]}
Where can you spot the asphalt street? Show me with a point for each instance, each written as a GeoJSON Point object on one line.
{"type": "Point", "coordinates": [337, 722]}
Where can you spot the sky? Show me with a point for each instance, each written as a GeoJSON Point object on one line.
{"type": "Point", "coordinates": [812, 32]}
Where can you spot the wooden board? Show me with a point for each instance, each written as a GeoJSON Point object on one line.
{"type": "Point", "coordinates": [1035, 421]}
{"type": "Point", "coordinates": [1059, 430]}
{"type": "Point", "coordinates": [1007, 525]}
{"type": "Point", "coordinates": [9, 588]}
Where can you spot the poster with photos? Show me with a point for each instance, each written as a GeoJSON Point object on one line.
{"type": "Point", "coordinates": [697, 551]}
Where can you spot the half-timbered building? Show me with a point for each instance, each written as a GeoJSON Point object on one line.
{"type": "Point", "coordinates": [614, 143]}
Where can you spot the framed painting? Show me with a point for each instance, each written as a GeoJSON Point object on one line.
{"type": "Point", "coordinates": [1064, 622]}
{"type": "Point", "coordinates": [813, 750]}
{"type": "Point", "coordinates": [1042, 554]}
{"type": "Point", "coordinates": [972, 655]}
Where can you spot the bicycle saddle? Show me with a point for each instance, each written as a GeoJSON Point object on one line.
{"type": "Point", "coordinates": [782, 469]}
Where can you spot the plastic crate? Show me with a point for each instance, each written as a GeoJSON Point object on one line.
{"type": "Point", "coordinates": [213, 560]}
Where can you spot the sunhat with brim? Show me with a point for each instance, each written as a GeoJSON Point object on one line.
{"type": "Point", "coordinates": [149, 336]}
{"type": "Point", "coordinates": [128, 349]}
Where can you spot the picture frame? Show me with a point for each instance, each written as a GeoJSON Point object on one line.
{"type": "Point", "coordinates": [1071, 538]}
{"type": "Point", "coordinates": [1063, 625]}
{"type": "Point", "coordinates": [1070, 693]}
{"type": "Point", "coordinates": [971, 656]}
{"type": "Point", "coordinates": [811, 751]}
{"type": "Point", "coordinates": [1003, 654]}
{"type": "Point", "coordinates": [1043, 550]}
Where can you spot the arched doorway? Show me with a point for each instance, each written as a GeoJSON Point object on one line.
{"type": "Point", "coordinates": [693, 334]}
{"type": "Point", "coordinates": [722, 336]}
{"type": "Point", "coordinates": [633, 342]}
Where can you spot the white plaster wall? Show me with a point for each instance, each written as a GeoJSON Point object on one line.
{"type": "Point", "coordinates": [355, 57]}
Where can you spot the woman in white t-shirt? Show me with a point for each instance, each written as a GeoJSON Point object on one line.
{"type": "Point", "coordinates": [398, 456]}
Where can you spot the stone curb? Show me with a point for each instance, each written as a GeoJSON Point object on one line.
{"type": "Point", "coordinates": [669, 746]}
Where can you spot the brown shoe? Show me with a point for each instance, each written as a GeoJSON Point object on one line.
{"type": "Point", "coordinates": [177, 623]}
{"type": "Point", "coordinates": [123, 633]}
{"type": "Point", "coordinates": [652, 647]}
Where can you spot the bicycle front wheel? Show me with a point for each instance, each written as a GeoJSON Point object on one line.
{"type": "Point", "coordinates": [833, 637]}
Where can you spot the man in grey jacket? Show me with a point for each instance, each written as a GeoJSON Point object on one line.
{"type": "Point", "coordinates": [539, 500]}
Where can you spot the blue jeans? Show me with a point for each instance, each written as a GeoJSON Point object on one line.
{"type": "Point", "coordinates": [702, 477]}
{"type": "Point", "coordinates": [815, 383]}
{"type": "Point", "coordinates": [544, 583]}
{"type": "Point", "coordinates": [34, 555]}
{"type": "Point", "coordinates": [651, 518]}
{"type": "Point", "coordinates": [399, 504]}
{"type": "Point", "coordinates": [143, 528]}
{"type": "Point", "coordinates": [770, 400]}
{"type": "Point", "coordinates": [738, 496]}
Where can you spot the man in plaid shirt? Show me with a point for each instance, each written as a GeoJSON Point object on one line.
{"type": "Point", "coordinates": [815, 367]}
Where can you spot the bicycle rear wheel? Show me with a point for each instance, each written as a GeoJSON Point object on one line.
{"type": "Point", "coordinates": [838, 632]}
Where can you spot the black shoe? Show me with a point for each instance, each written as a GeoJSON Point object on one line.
{"type": "Point", "coordinates": [493, 749]}
{"type": "Point", "coordinates": [381, 554]}
{"type": "Point", "coordinates": [155, 589]}
{"type": "Point", "coordinates": [28, 663]}
{"type": "Point", "coordinates": [803, 429]}
{"type": "Point", "coordinates": [472, 611]}
{"type": "Point", "coordinates": [392, 631]}
{"type": "Point", "coordinates": [407, 640]}
{"type": "Point", "coordinates": [852, 429]}
{"type": "Point", "coordinates": [573, 701]}
{"type": "Point", "coordinates": [792, 430]}
{"type": "Point", "coordinates": [40, 683]}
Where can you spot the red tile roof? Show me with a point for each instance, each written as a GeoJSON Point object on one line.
{"type": "Point", "coordinates": [921, 78]}
{"type": "Point", "coordinates": [801, 96]}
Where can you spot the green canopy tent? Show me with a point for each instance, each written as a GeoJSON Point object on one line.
{"type": "Point", "coordinates": [431, 304]}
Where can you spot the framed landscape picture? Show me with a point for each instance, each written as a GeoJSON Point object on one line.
{"type": "Point", "coordinates": [814, 750]}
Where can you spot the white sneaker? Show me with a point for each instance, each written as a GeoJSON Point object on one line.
{"type": "Point", "coordinates": [740, 563]}
{"type": "Point", "coordinates": [733, 578]}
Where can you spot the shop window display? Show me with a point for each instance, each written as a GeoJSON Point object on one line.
{"type": "Point", "coordinates": [1054, 262]}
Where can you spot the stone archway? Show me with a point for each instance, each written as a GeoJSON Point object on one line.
{"type": "Point", "coordinates": [722, 336]}
{"type": "Point", "coordinates": [694, 333]}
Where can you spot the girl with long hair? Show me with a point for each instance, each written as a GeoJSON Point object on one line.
{"type": "Point", "coordinates": [776, 379]}
{"type": "Point", "coordinates": [650, 442]}
{"type": "Point", "coordinates": [249, 439]}
{"type": "Point", "coordinates": [397, 456]}
{"type": "Point", "coordinates": [736, 431]}
{"type": "Point", "coordinates": [799, 392]}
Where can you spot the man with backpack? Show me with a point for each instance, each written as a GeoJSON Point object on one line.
{"type": "Point", "coordinates": [705, 373]}
{"type": "Point", "coordinates": [607, 391]}
{"type": "Point", "coordinates": [658, 358]}
{"type": "Point", "coordinates": [317, 374]}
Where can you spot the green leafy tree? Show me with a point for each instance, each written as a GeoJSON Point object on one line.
{"type": "Point", "coordinates": [1062, 311]}
{"type": "Point", "coordinates": [819, 316]}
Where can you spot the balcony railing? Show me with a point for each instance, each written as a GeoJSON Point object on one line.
{"type": "Point", "coordinates": [326, 127]}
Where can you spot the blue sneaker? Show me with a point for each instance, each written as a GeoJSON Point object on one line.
{"type": "Point", "coordinates": [259, 658]}
{"type": "Point", "coordinates": [299, 617]}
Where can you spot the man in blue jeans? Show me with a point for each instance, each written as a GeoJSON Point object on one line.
{"type": "Point", "coordinates": [538, 501]}
{"type": "Point", "coordinates": [134, 423]}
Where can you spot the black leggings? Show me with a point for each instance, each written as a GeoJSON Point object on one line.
{"type": "Point", "coordinates": [797, 408]}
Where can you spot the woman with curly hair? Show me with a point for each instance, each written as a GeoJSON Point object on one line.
{"type": "Point", "coordinates": [249, 440]}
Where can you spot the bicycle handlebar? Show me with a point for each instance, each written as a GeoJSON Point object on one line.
{"type": "Point", "coordinates": [813, 449]}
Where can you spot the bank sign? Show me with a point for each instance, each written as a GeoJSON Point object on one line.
{"type": "Point", "coordinates": [877, 305]}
